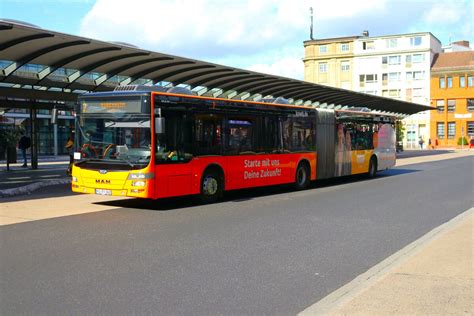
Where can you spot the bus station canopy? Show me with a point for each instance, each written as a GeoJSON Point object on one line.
{"type": "Point", "coordinates": [38, 64]}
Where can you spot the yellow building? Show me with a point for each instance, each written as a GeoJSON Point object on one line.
{"type": "Point", "coordinates": [452, 93]}
{"type": "Point", "coordinates": [329, 61]}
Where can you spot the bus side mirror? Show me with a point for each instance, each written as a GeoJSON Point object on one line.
{"type": "Point", "coordinates": [159, 125]}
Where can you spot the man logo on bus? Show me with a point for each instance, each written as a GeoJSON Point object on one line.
{"type": "Point", "coordinates": [98, 181]}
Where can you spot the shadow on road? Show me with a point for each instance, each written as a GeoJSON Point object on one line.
{"type": "Point", "coordinates": [243, 195]}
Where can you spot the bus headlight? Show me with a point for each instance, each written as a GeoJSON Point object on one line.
{"type": "Point", "coordinates": [135, 176]}
{"type": "Point", "coordinates": [138, 183]}
{"type": "Point", "coordinates": [74, 179]}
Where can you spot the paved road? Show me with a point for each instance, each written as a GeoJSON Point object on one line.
{"type": "Point", "coordinates": [256, 253]}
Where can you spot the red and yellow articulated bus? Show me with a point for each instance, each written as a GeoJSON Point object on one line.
{"type": "Point", "coordinates": [139, 142]}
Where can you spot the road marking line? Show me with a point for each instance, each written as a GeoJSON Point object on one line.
{"type": "Point", "coordinates": [362, 282]}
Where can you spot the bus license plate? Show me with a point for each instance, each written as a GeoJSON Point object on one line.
{"type": "Point", "coordinates": [103, 192]}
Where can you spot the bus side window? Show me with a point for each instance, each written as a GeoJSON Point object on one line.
{"type": "Point", "coordinates": [208, 134]}
{"type": "Point", "coordinates": [241, 136]}
{"type": "Point", "coordinates": [271, 135]}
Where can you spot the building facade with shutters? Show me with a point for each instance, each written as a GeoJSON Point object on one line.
{"type": "Point", "coordinates": [330, 61]}
{"type": "Point", "coordinates": [398, 66]}
{"type": "Point", "coordinates": [452, 93]}
{"type": "Point", "coordinates": [393, 66]}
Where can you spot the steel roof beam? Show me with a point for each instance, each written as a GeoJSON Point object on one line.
{"type": "Point", "coordinates": [28, 58]}
{"type": "Point", "coordinates": [24, 39]}
{"type": "Point", "coordinates": [287, 92]}
{"type": "Point", "coordinates": [185, 78]}
{"type": "Point", "coordinates": [240, 84]}
{"type": "Point", "coordinates": [254, 88]}
{"type": "Point", "coordinates": [210, 80]}
{"type": "Point", "coordinates": [170, 74]}
{"type": "Point", "coordinates": [287, 86]}
{"type": "Point", "coordinates": [122, 68]}
{"type": "Point", "coordinates": [148, 71]}
{"type": "Point", "coordinates": [51, 69]}
{"type": "Point", "coordinates": [96, 64]}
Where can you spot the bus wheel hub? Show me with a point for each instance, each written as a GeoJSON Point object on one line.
{"type": "Point", "coordinates": [209, 186]}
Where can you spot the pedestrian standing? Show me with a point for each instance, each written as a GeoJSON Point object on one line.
{"type": "Point", "coordinates": [23, 144]}
{"type": "Point", "coordinates": [70, 150]}
{"type": "Point", "coordinates": [421, 141]}
{"type": "Point", "coordinates": [429, 144]}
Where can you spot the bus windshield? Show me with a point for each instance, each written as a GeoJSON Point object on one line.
{"type": "Point", "coordinates": [114, 131]}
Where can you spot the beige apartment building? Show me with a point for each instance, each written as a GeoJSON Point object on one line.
{"type": "Point", "coordinates": [393, 66]}
{"type": "Point", "coordinates": [329, 61]}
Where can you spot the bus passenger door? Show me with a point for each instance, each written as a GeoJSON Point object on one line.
{"type": "Point", "coordinates": [173, 153]}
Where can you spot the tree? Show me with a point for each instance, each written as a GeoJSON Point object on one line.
{"type": "Point", "coordinates": [400, 131]}
{"type": "Point", "coordinates": [8, 140]}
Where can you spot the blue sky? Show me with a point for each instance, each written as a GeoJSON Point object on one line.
{"type": "Point", "coordinates": [261, 35]}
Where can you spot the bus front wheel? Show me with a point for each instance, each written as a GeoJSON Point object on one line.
{"type": "Point", "coordinates": [211, 186]}
{"type": "Point", "coordinates": [302, 176]}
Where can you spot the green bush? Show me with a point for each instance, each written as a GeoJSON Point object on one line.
{"type": "Point", "coordinates": [462, 141]}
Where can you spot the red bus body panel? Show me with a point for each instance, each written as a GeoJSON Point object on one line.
{"type": "Point", "coordinates": [245, 171]}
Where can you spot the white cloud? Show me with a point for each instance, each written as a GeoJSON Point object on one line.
{"type": "Point", "coordinates": [264, 35]}
{"type": "Point", "coordinates": [447, 12]}
{"type": "Point", "coordinates": [287, 67]}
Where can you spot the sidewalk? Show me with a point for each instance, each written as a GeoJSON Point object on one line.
{"type": "Point", "coordinates": [51, 171]}
{"type": "Point", "coordinates": [432, 276]}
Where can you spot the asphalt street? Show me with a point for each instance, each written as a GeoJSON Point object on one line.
{"type": "Point", "coordinates": [266, 251]}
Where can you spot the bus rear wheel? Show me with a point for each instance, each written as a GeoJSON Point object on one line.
{"type": "Point", "coordinates": [211, 186]}
{"type": "Point", "coordinates": [302, 176]}
{"type": "Point", "coordinates": [372, 168]}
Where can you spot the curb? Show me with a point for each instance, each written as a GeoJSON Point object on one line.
{"type": "Point", "coordinates": [27, 189]}
{"type": "Point", "coordinates": [343, 295]}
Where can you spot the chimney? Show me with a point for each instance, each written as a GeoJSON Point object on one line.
{"type": "Point", "coordinates": [365, 33]}
{"type": "Point", "coordinates": [461, 43]}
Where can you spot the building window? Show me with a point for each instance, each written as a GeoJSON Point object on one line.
{"type": "Point", "coordinates": [440, 129]}
{"type": "Point", "coordinates": [451, 130]}
{"type": "Point", "coordinates": [345, 47]}
{"type": "Point", "coordinates": [418, 58]}
{"type": "Point", "coordinates": [440, 106]}
{"type": "Point", "coordinates": [369, 45]}
{"type": "Point", "coordinates": [450, 82]}
{"type": "Point", "coordinates": [442, 83]}
{"type": "Point", "coordinates": [418, 92]}
{"type": "Point", "coordinates": [415, 41]}
{"type": "Point", "coordinates": [470, 129]}
{"type": "Point", "coordinates": [391, 42]}
{"type": "Point", "coordinates": [393, 76]}
{"type": "Point", "coordinates": [451, 105]}
{"type": "Point", "coordinates": [369, 78]}
{"type": "Point", "coordinates": [470, 105]}
{"type": "Point", "coordinates": [394, 60]}
{"type": "Point", "coordinates": [419, 75]}
{"type": "Point", "coordinates": [345, 66]}
{"type": "Point", "coordinates": [384, 78]}
{"type": "Point", "coordinates": [408, 60]}
{"type": "Point", "coordinates": [470, 81]}
{"type": "Point", "coordinates": [323, 67]}
{"type": "Point", "coordinates": [394, 93]}
{"type": "Point", "coordinates": [384, 60]}
{"type": "Point", "coordinates": [323, 48]}
{"type": "Point", "coordinates": [462, 82]}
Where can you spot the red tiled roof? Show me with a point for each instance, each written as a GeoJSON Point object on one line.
{"type": "Point", "coordinates": [453, 60]}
